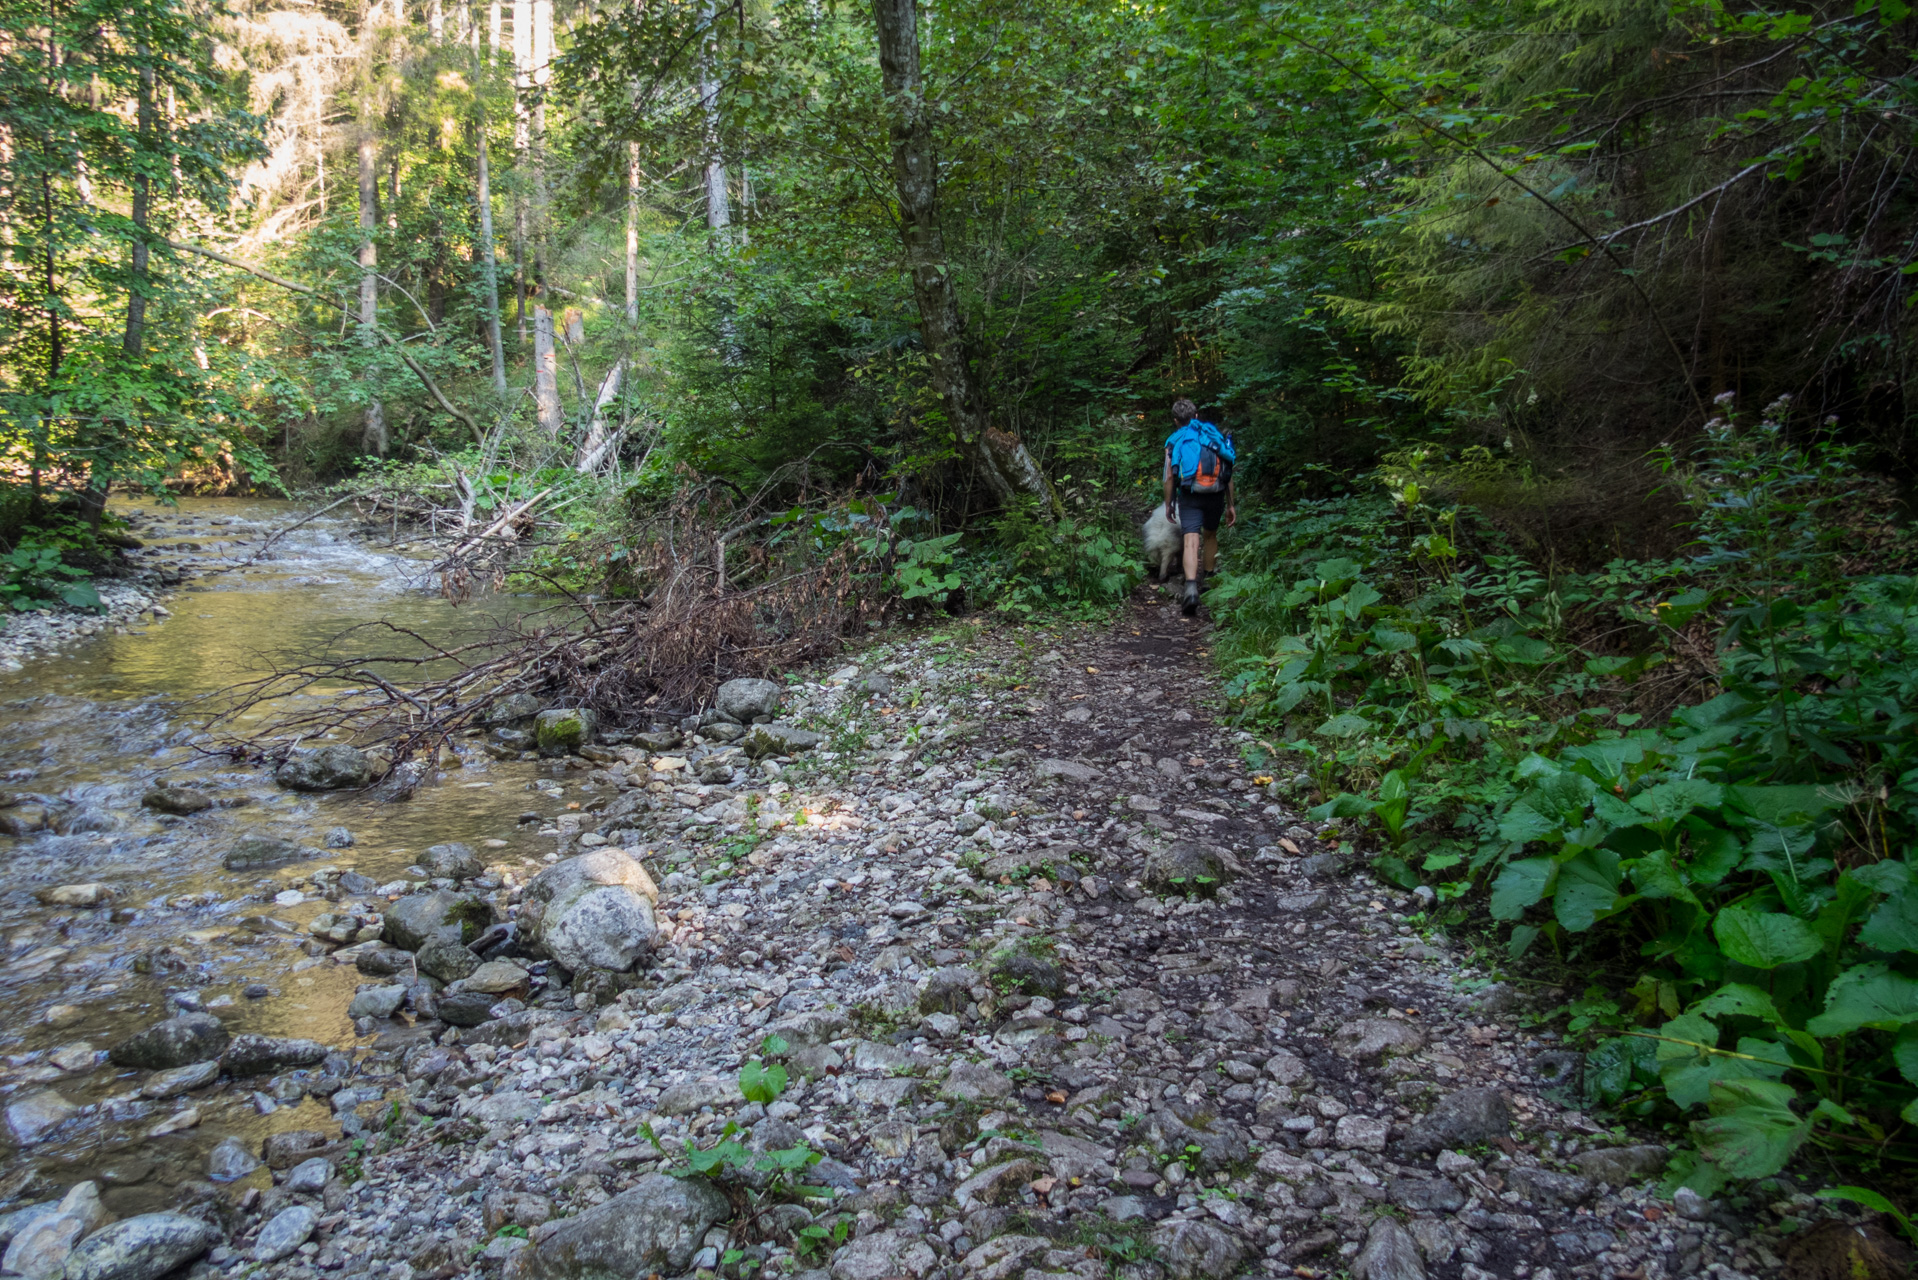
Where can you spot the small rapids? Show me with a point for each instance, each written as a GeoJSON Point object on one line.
{"type": "Point", "coordinates": [86, 731]}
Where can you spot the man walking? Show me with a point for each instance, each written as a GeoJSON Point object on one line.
{"type": "Point", "coordinates": [1198, 491]}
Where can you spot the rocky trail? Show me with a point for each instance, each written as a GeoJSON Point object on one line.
{"type": "Point", "coordinates": [997, 925]}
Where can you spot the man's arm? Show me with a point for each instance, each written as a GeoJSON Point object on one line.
{"type": "Point", "coordinates": [1231, 503]}
{"type": "Point", "coordinates": [1168, 485]}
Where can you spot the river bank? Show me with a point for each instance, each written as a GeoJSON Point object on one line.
{"type": "Point", "coordinates": [1063, 989]}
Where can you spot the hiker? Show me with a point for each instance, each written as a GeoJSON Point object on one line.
{"type": "Point", "coordinates": [1198, 491]}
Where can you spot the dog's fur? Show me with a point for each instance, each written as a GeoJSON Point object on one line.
{"type": "Point", "coordinates": [1163, 542]}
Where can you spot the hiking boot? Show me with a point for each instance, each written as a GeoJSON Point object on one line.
{"type": "Point", "coordinates": [1190, 605]}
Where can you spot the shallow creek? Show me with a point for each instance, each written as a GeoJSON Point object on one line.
{"type": "Point", "coordinates": [93, 727]}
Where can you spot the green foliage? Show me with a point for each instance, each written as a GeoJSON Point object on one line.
{"type": "Point", "coordinates": [1741, 859]}
{"type": "Point", "coordinates": [35, 577]}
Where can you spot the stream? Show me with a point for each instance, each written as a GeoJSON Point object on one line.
{"type": "Point", "coordinates": [93, 727]}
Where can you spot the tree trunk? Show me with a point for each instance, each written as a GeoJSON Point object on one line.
{"type": "Point", "coordinates": [592, 450]}
{"type": "Point", "coordinates": [522, 139]}
{"type": "Point", "coordinates": [373, 432]}
{"type": "Point", "coordinates": [542, 77]}
{"type": "Point", "coordinates": [490, 267]}
{"type": "Point", "coordinates": [632, 233]}
{"type": "Point", "coordinates": [719, 213]}
{"type": "Point", "coordinates": [435, 21]}
{"type": "Point", "coordinates": [1001, 458]}
{"type": "Point", "coordinates": [546, 373]}
{"type": "Point", "coordinates": [493, 25]}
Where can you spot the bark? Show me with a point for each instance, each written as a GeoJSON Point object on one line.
{"type": "Point", "coordinates": [1001, 459]}
{"type": "Point", "coordinates": [522, 141]}
{"type": "Point", "coordinates": [493, 29]}
{"type": "Point", "coordinates": [542, 77]}
{"type": "Point", "coordinates": [435, 21]}
{"type": "Point", "coordinates": [373, 437]}
{"type": "Point", "coordinates": [546, 373]}
{"type": "Point", "coordinates": [632, 233]}
{"type": "Point", "coordinates": [719, 214]}
{"type": "Point", "coordinates": [490, 267]}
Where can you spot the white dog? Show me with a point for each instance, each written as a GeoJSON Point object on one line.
{"type": "Point", "coordinates": [1163, 541]}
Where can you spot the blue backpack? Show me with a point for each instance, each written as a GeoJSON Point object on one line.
{"type": "Point", "coordinates": [1202, 455]}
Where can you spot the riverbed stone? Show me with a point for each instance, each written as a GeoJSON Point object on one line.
{"type": "Point", "coordinates": [465, 1008]}
{"type": "Point", "coordinates": [377, 1002]}
{"type": "Point", "coordinates": [746, 699]}
{"type": "Point", "coordinates": [454, 860]}
{"type": "Point", "coordinates": [179, 801]}
{"type": "Point", "coordinates": [563, 730]}
{"type": "Point", "coordinates": [250, 853]}
{"type": "Point", "coordinates": [1622, 1166]}
{"type": "Point", "coordinates": [254, 1055]}
{"type": "Point", "coordinates": [178, 1080]}
{"type": "Point", "coordinates": [284, 1232]}
{"type": "Point", "coordinates": [383, 961]}
{"type": "Point", "coordinates": [229, 1161]}
{"type": "Point", "coordinates": [145, 1247]}
{"type": "Point", "coordinates": [778, 739]}
{"type": "Point", "coordinates": [75, 895]}
{"type": "Point", "coordinates": [34, 1116]}
{"type": "Point", "coordinates": [514, 711]}
{"type": "Point", "coordinates": [289, 1147]}
{"type": "Point", "coordinates": [656, 1227]}
{"type": "Point", "coordinates": [190, 1037]}
{"type": "Point", "coordinates": [40, 1247]}
{"type": "Point", "coordinates": [1185, 866]}
{"type": "Point", "coordinates": [309, 1177]}
{"type": "Point", "coordinates": [438, 914]}
{"type": "Point", "coordinates": [592, 912]}
{"type": "Point", "coordinates": [884, 1255]}
{"type": "Point", "coordinates": [447, 961]}
{"type": "Point", "coordinates": [495, 978]}
{"type": "Point", "coordinates": [333, 767]}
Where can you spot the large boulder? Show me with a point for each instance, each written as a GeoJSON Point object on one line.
{"type": "Point", "coordinates": [257, 1055]}
{"type": "Point", "coordinates": [745, 699]}
{"type": "Point", "coordinates": [332, 767]}
{"type": "Point", "coordinates": [592, 912]}
{"type": "Point", "coordinates": [250, 853]}
{"type": "Point", "coordinates": [41, 1245]}
{"type": "Point", "coordinates": [455, 861]}
{"type": "Point", "coordinates": [191, 1037]}
{"type": "Point", "coordinates": [563, 731]}
{"type": "Point", "coordinates": [440, 915]}
{"type": "Point", "coordinates": [778, 740]}
{"type": "Point", "coordinates": [142, 1248]}
{"type": "Point", "coordinates": [514, 711]}
{"type": "Point", "coordinates": [656, 1227]}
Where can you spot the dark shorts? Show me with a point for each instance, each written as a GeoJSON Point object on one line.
{"type": "Point", "coordinates": [1200, 512]}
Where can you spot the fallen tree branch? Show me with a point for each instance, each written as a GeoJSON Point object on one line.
{"type": "Point", "coordinates": [431, 386]}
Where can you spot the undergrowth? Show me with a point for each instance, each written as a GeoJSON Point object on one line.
{"type": "Point", "coordinates": [1695, 778]}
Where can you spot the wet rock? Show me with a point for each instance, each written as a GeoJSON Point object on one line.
{"type": "Point", "coordinates": [1462, 1119]}
{"type": "Point", "coordinates": [332, 767]}
{"type": "Point", "coordinates": [75, 895]}
{"type": "Point", "coordinates": [1185, 866]}
{"type": "Point", "coordinates": [180, 801]}
{"type": "Point", "coordinates": [1370, 1038]}
{"type": "Point", "coordinates": [284, 1150]}
{"type": "Point", "coordinates": [34, 1116]}
{"type": "Point", "coordinates": [563, 731]}
{"type": "Point", "coordinates": [1197, 1250]}
{"type": "Point", "coordinates": [377, 1002]}
{"type": "Point", "coordinates": [309, 1177]}
{"type": "Point", "coordinates": [229, 1161]}
{"type": "Point", "coordinates": [884, 1255]}
{"type": "Point", "coordinates": [440, 914]}
{"type": "Point", "coordinates": [40, 1246]}
{"type": "Point", "coordinates": [592, 912]}
{"type": "Point", "coordinates": [656, 1227]}
{"type": "Point", "coordinates": [1622, 1166]}
{"type": "Point", "coordinates": [249, 853]}
{"type": "Point", "coordinates": [340, 838]}
{"type": "Point", "coordinates": [455, 861]}
{"type": "Point", "coordinates": [1390, 1253]}
{"type": "Point", "coordinates": [745, 700]}
{"type": "Point", "coordinates": [141, 1248]}
{"type": "Point", "coordinates": [284, 1232]}
{"type": "Point", "coordinates": [514, 711]}
{"type": "Point", "coordinates": [447, 961]}
{"type": "Point", "coordinates": [191, 1037]}
{"type": "Point", "coordinates": [778, 740]}
{"type": "Point", "coordinates": [179, 1080]}
{"type": "Point", "coordinates": [256, 1055]}
{"type": "Point", "coordinates": [466, 1008]}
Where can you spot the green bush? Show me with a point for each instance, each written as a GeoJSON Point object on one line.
{"type": "Point", "coordinates": [1738, 865]}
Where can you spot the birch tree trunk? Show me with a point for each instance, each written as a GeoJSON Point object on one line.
{"type": "Point", "coordinates": [373, 432]}
{"type": "Point", "coordinates": [493, 26]}
{"type": "Point", "coordinates": [632, 233]}
{"type": "Point", "coordinates": [542, 80]}
{"type": "Point", "coordinates": [522, 138]}
{"type": "Point", "coordinates": [1001, 458]}
{"type": "Point", "coordinates": [593, 448]}
{"type": "Point", "coordinates": [490, 266]}
{"type": "Point", "coordinates": [719, 214]}
{"type": "Point", "coordinates": [546, 373]}
{"type": "Point", "coordinates": [435, 21]}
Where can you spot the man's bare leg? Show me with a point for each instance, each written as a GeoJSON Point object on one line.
{"type": "Point", "coordinates": [1190, 604]}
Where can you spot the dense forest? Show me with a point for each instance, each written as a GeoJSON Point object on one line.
{"type": "Point", "coordinates": [1568, 350]}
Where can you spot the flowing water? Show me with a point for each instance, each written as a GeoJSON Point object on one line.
{"type": "Point", "coordinates": [93, 727]}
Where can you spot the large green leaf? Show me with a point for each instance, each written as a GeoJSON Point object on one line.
{"type": "Point", "coordinates": [1752, 1131]}
{"type": "Point", "coordinates": [1740, 999]}
{"type": "Point", "coordinates": [1894, 925]}
{"type": "Point", "coordinates": [1905, 1053]}
{"type": "Point", "coordinates": [1519, 885]}
{"type": "Point", "coordinates": [1667, 802]}
{"type": "Point", "coordinates": [1587, 889]}
{"type": "Point", "coordinates": [1764, 939]}
{"type": "Point", "coordinates": [1867, 995]}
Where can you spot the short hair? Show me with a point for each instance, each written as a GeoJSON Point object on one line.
{"type": "Point", "coordinates": [1184, 410]}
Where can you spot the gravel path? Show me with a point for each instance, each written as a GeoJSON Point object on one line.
{"type": "Point", "coordinates": [1064, 993]}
